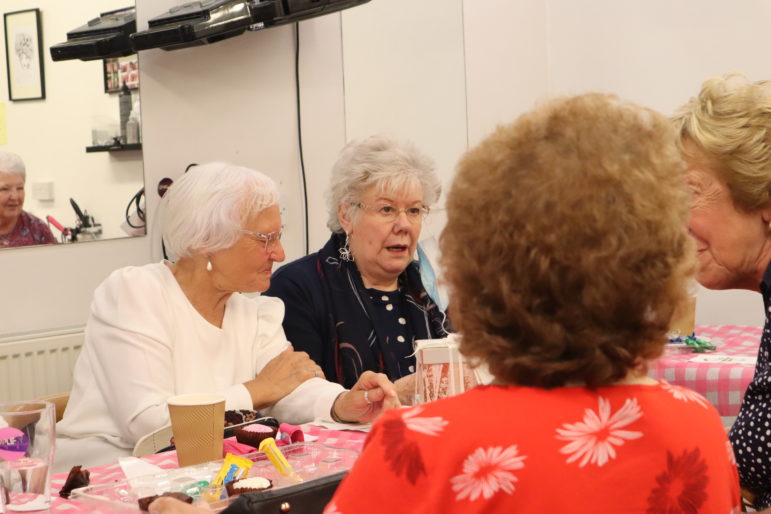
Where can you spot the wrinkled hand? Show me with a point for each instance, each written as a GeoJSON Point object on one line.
{"type": "Point", "coordinates": [405, 388]}
{"type": "Point", "coordinates": [174, 506]}
{"type": "Point", "coordinates": [354, 406]}
{"type": "Point", "coordinates": [281, 376]}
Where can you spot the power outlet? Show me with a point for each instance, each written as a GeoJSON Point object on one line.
{"type": "Point", "coordinates": [43, 191]}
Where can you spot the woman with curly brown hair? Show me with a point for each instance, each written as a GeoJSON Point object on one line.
{"type": "Point", "coordinates": [725, 136]}
{"type": "Point", "coordinates": [565, 252]}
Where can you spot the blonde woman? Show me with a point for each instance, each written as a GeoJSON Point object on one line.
{"type": "Point", "coordinates": [725, 137]}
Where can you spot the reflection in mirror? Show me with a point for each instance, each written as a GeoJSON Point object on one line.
{"type": "Point", "coordinates": [84, 174]}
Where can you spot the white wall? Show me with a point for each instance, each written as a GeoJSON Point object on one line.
{"type": "Point", "coordinates": [657, 53]}
{"type": "Point", "coordinates": [234, 101]}
{"type": "Point", "coordinates": [52, 134]}
{"type": "Point", "coordinates": [405, 75]}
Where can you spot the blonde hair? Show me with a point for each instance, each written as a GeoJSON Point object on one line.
{"type": "Point", "coordinates": [730, 122]}
{"type": "Point", "coordinates": [565, 247]}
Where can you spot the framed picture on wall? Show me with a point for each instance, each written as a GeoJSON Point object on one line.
{"type": "Point", "coordinates": [24, 55]}
{"type": "Point", "coordinates": [120, 70]}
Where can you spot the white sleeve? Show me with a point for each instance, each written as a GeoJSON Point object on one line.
{"type": "Point", "coordinates": [237, 397]}
{"type": "Point", "coordinates": [311, 399]}
{"type": "Point", "coordinates": [131, 345]}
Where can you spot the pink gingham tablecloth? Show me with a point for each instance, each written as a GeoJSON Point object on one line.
{"type": "Point", "coordinates": [348, 439]}
{"type": "Point", "coordinates": [722, 383]}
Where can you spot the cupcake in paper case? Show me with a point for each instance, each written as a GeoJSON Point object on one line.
{"type": "Point", "coordinates": [248, 485]}
{"type": "Point", "coordinates": [254, 434]}
{"type": "Point", "coordinates": [236, 417]}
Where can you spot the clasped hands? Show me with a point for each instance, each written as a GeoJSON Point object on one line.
{"type": "Point", "coordinates": [372, 394]}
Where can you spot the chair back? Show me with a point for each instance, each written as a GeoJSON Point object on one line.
{"type": "Point", "coordinates": [60, 403]}
{"type": "Point", "coordinates": [152, 442]}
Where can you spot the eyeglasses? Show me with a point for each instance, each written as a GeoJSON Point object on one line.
{"type": "Point", "coordinates": [389, 213]}
{"type": "Point", "coordinates": [270, 239]}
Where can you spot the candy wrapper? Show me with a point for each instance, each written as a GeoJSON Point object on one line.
{"type": "Point", "coordinates": [441, 370]}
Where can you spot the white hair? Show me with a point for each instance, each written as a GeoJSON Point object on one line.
{"type": "Point", "coordinates": [204, 209]}
{"type": "Point", "coordinates": [382, 161]}
{"type": "Point", "coordinates": [12, 164]}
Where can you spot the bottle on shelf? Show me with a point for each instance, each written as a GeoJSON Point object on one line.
{"type": "Point", "coordinates": [124, 104]}
{"type": "Point", "coordinates": [132, 129]}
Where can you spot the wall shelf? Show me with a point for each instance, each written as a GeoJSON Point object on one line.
{"type": "Point", "coordinates": [114, 148]}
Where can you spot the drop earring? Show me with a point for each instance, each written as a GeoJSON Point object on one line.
{"type": "Point", "coordinates": [345, 250]}
{"type": "Point", "coordinates": [208, 265]}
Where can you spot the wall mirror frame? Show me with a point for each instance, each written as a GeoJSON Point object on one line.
{"type": "Point", "coordinates": [67, 139]}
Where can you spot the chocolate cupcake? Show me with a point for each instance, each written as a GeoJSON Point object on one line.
{"type": "Point", "coordinates": [248, 485]}
{"type": "Point", "coordinates": [78, 477]}
{"type": "Point", "coordinates": [236, 417]}
{"type": "Point", "coordinates": [253, 434]}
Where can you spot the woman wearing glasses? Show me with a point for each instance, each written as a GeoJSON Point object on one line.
{"type": "Point", "coordinates": [358, 303]}
{"type": "Point", "coordinates": [182, 326]}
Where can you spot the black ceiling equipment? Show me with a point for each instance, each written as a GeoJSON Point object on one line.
{"type": "Point", "coordinates": [102, 37]}
{"type": "Point", "coordinates": [298, 10]}
{"type": "Point", "coordinates": [208, 21]}
{"type": "Point", "coordinates": [203, 22]}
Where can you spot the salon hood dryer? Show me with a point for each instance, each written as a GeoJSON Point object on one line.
{"type": "Point", "coordinates": [100, 38]}
{"type": "Point", "coordinates": [208, 21]}
{"type": "Point", "coordinates": [203, 22]}
{"type": "Point", "coordinates": [291, 11]}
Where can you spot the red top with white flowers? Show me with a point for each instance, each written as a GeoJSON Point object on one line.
{"type": "Point", "coordinates": [624, 448]}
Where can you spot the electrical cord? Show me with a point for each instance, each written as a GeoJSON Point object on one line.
{"type": "Point", "coordinates": [300, 131]}
{"type": "Point", "coordinates": [136, 200]}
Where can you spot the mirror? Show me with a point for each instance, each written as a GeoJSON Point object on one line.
{"type": "Point", "coordinates": [64, 138]}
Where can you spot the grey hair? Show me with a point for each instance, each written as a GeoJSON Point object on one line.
{"type": "Point", "coordinates": [382, 161]}
{"type": "Point", "coordinates": [11, 163]}
{"type": "Point", "coordinates": [204, 210]}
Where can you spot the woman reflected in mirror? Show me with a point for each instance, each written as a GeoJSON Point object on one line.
{"type": "Point", "coordinates": [18, 227]}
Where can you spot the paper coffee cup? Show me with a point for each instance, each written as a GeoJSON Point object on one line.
{"type": "Point", "coordinates": [197, 421]}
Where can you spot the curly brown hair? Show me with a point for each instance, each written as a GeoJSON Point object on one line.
{"type": "Point", "coordinates": [565, 247]}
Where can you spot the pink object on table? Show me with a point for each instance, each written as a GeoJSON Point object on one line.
{"type": "Point", "coordinates": [231, 445]}
{"type": "Point", "coordinates": [288, 434]}
{"type": "Point", "coordinates": [722, 383]}
{"type": "Point", "coordinates": [347, 439]}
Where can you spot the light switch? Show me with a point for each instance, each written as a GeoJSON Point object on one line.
{"type": "Point", "coordinates": [43, 190]}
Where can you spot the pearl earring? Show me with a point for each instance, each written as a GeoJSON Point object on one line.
{"type": "Point", "coordinates": [208, 265]}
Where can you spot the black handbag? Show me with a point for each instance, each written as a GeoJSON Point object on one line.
{"type": "Point", "coordinates": [307, 498]}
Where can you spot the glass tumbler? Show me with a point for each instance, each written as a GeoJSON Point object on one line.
{"type": "Point", "coordinates": [27, 441]}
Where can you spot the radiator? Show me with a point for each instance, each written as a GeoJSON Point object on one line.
{"type": "Point", "coordinates": [39, 365]}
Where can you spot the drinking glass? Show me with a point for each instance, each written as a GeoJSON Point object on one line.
{"type": "Point", "coordinates": [27, 441]}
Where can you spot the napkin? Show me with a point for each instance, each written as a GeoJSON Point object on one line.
{"type": "Point", "coordinates": [133, 467]}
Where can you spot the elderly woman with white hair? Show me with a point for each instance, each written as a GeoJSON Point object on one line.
{"type": "Point", "coordinates": [359, 303]}
{"type": "Point", "coordinates": [18, 227]}
{"type": "Point", "coordinates": [183, 327]}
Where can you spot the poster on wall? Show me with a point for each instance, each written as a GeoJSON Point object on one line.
{"type": "Point", "coordinates": [24, 55]}
{"type": "Point", "coordinates": [119, 71]}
